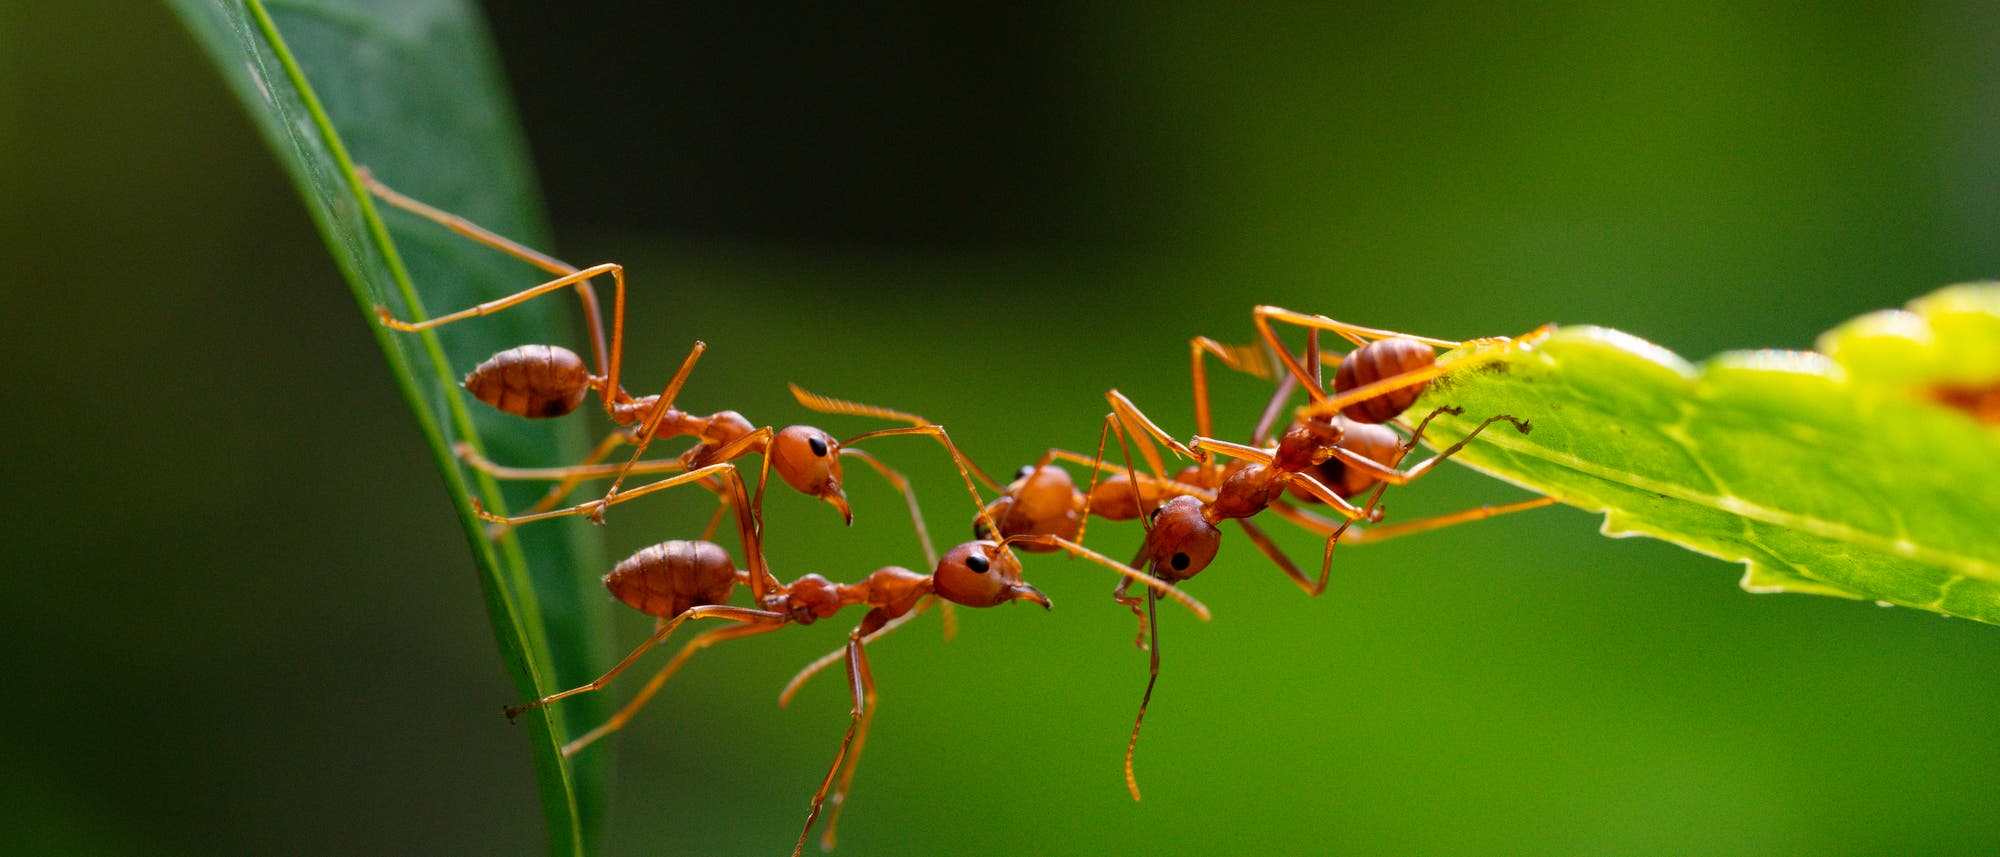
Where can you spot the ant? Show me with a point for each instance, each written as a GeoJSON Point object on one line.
{"type": "Point", "coordinates": [1320, 460]}
{"type": "Point", "coordinates": [1325, 459]}
{"type": "Point", "coordinates": [1385, 373]}
{"type": "Point", "coordinates": [678, 581]}
{"type": "Point", "coordinates": [569, 476]}
{"type": "Point", "coordinates": [545, 381]}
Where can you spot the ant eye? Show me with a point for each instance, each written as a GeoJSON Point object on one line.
{"type": "Point", "coordinates": [1180, 561]}
{"type": "Point", "coordinates": [818, 445]}
{"type": "Point", "coordinates": [1025, 470]}
{"type": "Point", "coordinates": [977, 563]}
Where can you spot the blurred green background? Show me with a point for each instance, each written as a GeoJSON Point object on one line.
{"type": "Point", "coordinates": [242, 619]}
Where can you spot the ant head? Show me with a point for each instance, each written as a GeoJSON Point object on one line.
{"type": "Point", "coordinates": [982, 574]}
{"type": "Point", "coordinates": [1181, 542]}
{"type": "Point", "coordinates": [809, 460]}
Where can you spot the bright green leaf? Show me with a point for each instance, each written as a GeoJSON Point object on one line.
{"type": "Point", "coordinates": [411, 89]}
{"type": "Point", "coordinates": [1832, 476]}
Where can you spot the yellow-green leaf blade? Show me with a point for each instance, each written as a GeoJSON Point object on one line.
{"type": "Point", "coordinates": [1779, 460]}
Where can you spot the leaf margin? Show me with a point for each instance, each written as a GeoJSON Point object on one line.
{"type": "Point", "coordinates": [338, 203]}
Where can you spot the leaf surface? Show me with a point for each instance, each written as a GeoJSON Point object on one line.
{"type": "Point", "coordinates": [1836, 475]}
{"type": "Point", "coordinates": [410, 88]}
{"type": "Point", "coordinates": [1815, 475]}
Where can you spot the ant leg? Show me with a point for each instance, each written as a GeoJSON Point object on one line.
{"type": "Point", "coordinates": [965, 465]}
{"type": "Point", "coordinates": [1305, 481]}
{"type": "Point", "coordinates": [659, 679]}
{"type": "Point", "coordinates": [661, 405]}
{"type": "Point", "coordinates": [761, 580]}
{"type": "Point", "coordinates": [1286, 386]}
{"type": "Point", "coordinates": [1380, 532]}
{"type": "Point", "coordinates": [1247, 359]}
{"type": "Point", "coordinates": [721, 511]}
{"type": "Point", "coordinates": [463, 226]}
{"type": "Point", "coordinates": [1312, 486]}
{"type": "Point", "coordinates": [1145, 431]}
{"type": "Point", "coordinates": [1354, 333]}
{"type": "Point", "coordinates": [1333, 539]}
{"type": "Point", "coordinates": [1162, 587]}
{"type": "Point", "coordinates": [1277, 556]}
{"type": "Point", "coordinates": [1417, 434]}
{"type": "Point", "coordinates": [1324, 406]}
{"type": "Point", "coordinates": [830, 405]}
{"type": "Point", "coordinates": [1308, 376]}
{"type": "Point", "coordinates": [1404, 528]}
{"type": "Point", "coordinates": [1262, 316]}
{"type": "Point", "coordinates": [1097, 469]}
{"type": "Point", "coordinates": [609, 392]}
{"type": "Point", "coordinates": [902, 485]}
{"type": "Point", "coordinates": [574, 474]}
{"type": "Point", "coordinates": [1384, 532]}
{"type": "Point", "coordinates": [1346, 530]}
{"type": "Point", "coordinates": [595, 508]}
{"type": "Point", "coordinates": [1305, 520]}
{"type": "Point", "coordinates": [755, 441]}
{"type": "Point", "coordinates": [1122, 594]}
{"type": "Point", "coordinates": [1167, 487]}
{"type": "Point", "coordinates": [718, 611]}
{"type": "Point", "coordinates": [1152, 677]}
{"type": "Point", "coordinates": [1313, 358]}
{"type": "Point", "coordinates": [567, 477]}
{"type": "Point", "coordinates": [1269, 419]}
{"type": "Point", "coordinates": [828, 659]}
{"type": "Point", "coordinates": [862, 683]}
{"type": "Point", "coordinates": [1400, 477]}
{"type": "Point", "coordinates": [1122, 409]}
{"type": "Point", "coordinates": [839, 797]}
{"type": "Point", "coordinates": [1095, 462]}
{"type": "Point", "coordinates": [481, 235]}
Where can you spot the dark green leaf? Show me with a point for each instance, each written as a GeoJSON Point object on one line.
{"type": "Point", "coordinates": [410, 89]}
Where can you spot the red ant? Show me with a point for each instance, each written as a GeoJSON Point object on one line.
{"type": "Point", "coordinates": [1331, 460]}
{"type": "Point", "coordinates": [569, 476]}
{"type": "Point", "coordinates": [677, 581]}
{"type": "Point", "coordinates": [544, 381]}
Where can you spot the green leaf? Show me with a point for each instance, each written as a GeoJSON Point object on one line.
{"type": "Point", "coordinates": [410, 88]}
{"type": "Point", "coordinates": [1832, 476]}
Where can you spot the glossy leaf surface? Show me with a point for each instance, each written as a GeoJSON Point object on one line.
{"type": "Point", "coordinates": [1837, 475]}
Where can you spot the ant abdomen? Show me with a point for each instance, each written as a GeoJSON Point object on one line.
{"type": "Point", "coordinates": [534, 381]}
{"type": "Point", "coordinates": [1115, 500]}
{"type": "Point", "coordinates": [668, 578]}
{"type": "Point", "coordinates": [1376, 361]}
